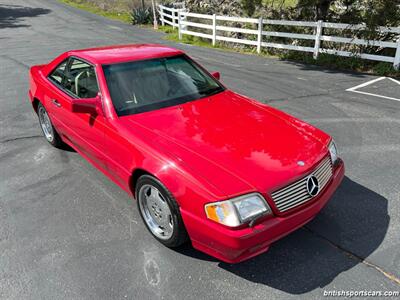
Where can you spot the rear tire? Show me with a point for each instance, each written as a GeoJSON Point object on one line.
{"type": "Point", "coordinates": [160, 212]}
{"type": "Point", "coordinates": [47, 127]}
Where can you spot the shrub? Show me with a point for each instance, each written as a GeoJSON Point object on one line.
{"type": "Point", "coordinates": [141, 15]}
{"type": "Point", "coordinates": [385, 69]}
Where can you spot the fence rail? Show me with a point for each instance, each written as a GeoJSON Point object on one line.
{"type": "Point", "coordinates": [183, 20]}
{"type": "Point", "coordinates": [169, 15]}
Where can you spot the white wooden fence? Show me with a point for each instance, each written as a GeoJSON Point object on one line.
{"type": "Point", "coordinates": [183, 20]}
{"type": "Point", "coordinates": [169, 15]}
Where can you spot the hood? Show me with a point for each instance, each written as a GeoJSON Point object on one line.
{"type": "Point", "coordinates": [236, 143]}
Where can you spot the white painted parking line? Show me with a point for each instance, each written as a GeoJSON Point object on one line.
{"type": "Point", "coordinates": [376, 95]}
{"type": "Point", "coordinates": [394, 80]}
{"type": "Point", "coordinates": [365, 84]}
{"type": "Point", "coordinates": [355, 88]}
{"type": "Point", "coordinates": [115, 27]}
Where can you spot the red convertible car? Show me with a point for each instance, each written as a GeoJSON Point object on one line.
{"type": "Point", "coordinates": [205, 164]}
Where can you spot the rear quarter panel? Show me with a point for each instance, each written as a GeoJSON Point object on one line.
{"type": "Point", "coordinates": [37, 75]}
{"type": "Point", "coordinates": [35, 90]}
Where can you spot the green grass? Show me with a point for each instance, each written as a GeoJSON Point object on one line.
{"type": "Point", "coordinates": [278, 3]}
{"type": "Point", "coordinates": [115, 15]}
{"type": "Point", "coordinates": [172, 35]}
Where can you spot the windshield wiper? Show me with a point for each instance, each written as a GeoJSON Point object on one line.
{"type": "Point", "coordinates": [211, 91]}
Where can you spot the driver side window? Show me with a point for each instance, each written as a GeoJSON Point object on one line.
{"type": "Point", "coordinates": [80, 79]}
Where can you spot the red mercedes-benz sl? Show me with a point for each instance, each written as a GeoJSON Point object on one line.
{"type": "Point", "coordinates": [205, 164]}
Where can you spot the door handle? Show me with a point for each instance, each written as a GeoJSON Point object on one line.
{"type": "Point", "coordinates": [56, 103]}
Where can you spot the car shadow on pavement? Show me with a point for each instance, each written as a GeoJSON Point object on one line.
{"type": "Point", "coordinates": [350, 227]}
{"type": "Point", "coordinates": [11, 16]}
{"type": "Point", "coordinates": [310, 67]}
{"type": "Point", "coordinates": [67, 148]}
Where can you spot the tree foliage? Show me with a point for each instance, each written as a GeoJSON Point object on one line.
{"type": "Point", "coordinates": [314, 9]}
{"type": "Point", "coordinates": [249, 6]}
{"type": "Point", "coordinates": [371, 12]}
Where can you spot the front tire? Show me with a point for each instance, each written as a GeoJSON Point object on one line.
{"type": "Point", "coordinates": [47, 127]}
{"type": "Point", "coordinates": [160, 212]}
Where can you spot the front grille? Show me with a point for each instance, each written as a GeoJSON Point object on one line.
{"type": "Point", "coordinates": [296, 193]}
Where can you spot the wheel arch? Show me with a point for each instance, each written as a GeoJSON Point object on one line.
{"type": "Point", "coordinates": [189, 191]}
{"type": "Point", "coordinates": [171, 182]}
{"type": "Point", "coordinates": [35, 104]}
{"type": "Point", "coordinates": [136, 174]}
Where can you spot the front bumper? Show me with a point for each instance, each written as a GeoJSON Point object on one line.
{"type": "Point", "coordinates": [236, 245]}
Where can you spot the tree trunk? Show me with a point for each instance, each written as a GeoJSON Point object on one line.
{"type": "Point", "coordinates": [322, 9]}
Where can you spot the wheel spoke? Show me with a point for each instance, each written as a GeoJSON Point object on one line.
{"type": "Point", "coordinates": [159, 231]}
{"type": "Point", "coordinates": [152, 194]}
{"type": "Point", "coordinates": [162, 202]}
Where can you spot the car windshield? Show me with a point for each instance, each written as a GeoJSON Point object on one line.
{"type": "Point", "coordinates": [141, 86]}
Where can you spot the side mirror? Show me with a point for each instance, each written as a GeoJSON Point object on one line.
{"type": "Point", "coordinates": [87, 105]}
{"type": "Point", "coordinates": [216, 75]}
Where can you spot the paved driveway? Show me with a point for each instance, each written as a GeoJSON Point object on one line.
{"type": "Point", "coordinates": [68, 232]}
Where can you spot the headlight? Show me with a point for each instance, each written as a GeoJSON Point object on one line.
{"type": "Point", "coordinates": [333, 152]}
{"type": "Point", "coordinates": [238, 210]}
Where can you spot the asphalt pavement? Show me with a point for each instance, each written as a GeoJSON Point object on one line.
{"type": "Point", "coordinates": [67, 232]}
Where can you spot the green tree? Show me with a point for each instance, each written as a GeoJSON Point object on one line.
{"type": "Point", "coordinates": [249, 6]}
{"type": "Point", "coordinates": [382, 12]}
{"type": "Point", "coordinates": [314, 9]}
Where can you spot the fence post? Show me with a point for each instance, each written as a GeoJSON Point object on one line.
{"type": "Point", "coordinates": [214, 29]}
{"type": "Point", "coordinates": [184, 18]}
{"type": "Point", "coordinates": [317, 39]}
{"type": "Point", "coordinates": [173, 18]}
{"type": "Point", "coordinates": [155, 21]}
{"type": "Point", "coordinates": [162, 15]}
{"type": "Point", "coordinates": [179, 25]}
{"type": "Point", "coordinates": [396, 63]}
{"type": "Point", "coordinates": [259, 37]}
